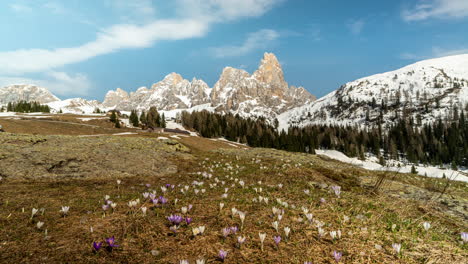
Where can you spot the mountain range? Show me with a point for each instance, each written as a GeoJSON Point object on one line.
{"type": "Point", "coordinates": [425, 91]}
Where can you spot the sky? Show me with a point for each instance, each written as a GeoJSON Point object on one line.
{"type": "Point", "coordinates": [84, 48]}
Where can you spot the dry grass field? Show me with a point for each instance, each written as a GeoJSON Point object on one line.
{"type": "Point", "coordinates": [46, 165]}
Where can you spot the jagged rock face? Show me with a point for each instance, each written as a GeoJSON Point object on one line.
{"type": "Point", "coordinates": [173, 92]}
{"type": "Point", "coordinates": [263, 93]}
{"type": "Point", "coordinates": [424, 91]}
{"type": "Point", "coordinates": [14, 93]}
{"type": "Point", "coordinates": [114, 98]}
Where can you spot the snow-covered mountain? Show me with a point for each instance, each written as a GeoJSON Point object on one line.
{"type": "Point", "coordinates": [265, 93]}
{"type": "Point", "coordinates": [25, 92]}
{"type": "Point", "coordinates": [173, 92]}
{"type": "Point", "coordinates": [425, 91]}
{"type": "Point", "coordinates": [75, 106]}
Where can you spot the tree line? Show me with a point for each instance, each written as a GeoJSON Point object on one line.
{"type": "Point", "coordinates": [443, 142]}
{"type": "Point", "coordinates": [27, 107]}
{"type": "Point", "coordinates": [151, 119]}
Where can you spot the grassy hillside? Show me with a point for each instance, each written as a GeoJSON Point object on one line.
{"type": "Point", "coordinates": [292, 183]}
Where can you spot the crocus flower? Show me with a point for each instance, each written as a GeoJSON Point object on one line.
{"type": "Point", "coordinates": [337, 256]}
{"type": "Point", "coordinates": [34, 212]}
{"type": "Point", "coordinates": [426, 225]}
{"type": "Point", "coordinates": [262, 239]}
{"type": "Point", "coordinates": [174, 228]}
{"type": "Point", "coordinates": [396, 247]}
{"type": "Point", "coordinates": [277, 240]}
{"type": "Point", "coordinates": [321, 232]}
{"type": "Point", "coordinates": [143, 210]}
{"type": "Point", "coordinates": [307, 262]}
{"type": "Point", "coordinates": [65, 210]}
{"type": "Point", "coordinates": [287, 230]}
{"type": "Point", "coordinates": [333, 234]}
{"type": "Point", "coordinates": [188, 220]}
{"type": "Point", "coordinates": [105, 207]}
{"type": "Point", "coordinates": [226, 231]}
{"type": "Point", "coordinates": [97, 246]}
{"type": "Point", "coordinates": [184, 210]}
{"type": "Point", "coordinates": [175, 219]}
{"type": "Point", "coordinates": [241, 240]}
{"type": "Point", "coordinates": [162, 200]}
{"type": "Point", "coordinates": [337, 190]}
{"type": "Point", "coordinates": [200, 261]}
{"type": "Point", "coordinates": [119, 182]}
{"type": "Point", "coordinates": [275, 225]}
{"type": "Point", "coordinates": [221, 206]}
{"type": "Point", "coordinates": [184, 261]}
{"type": "Point", "coordinates": [222, 255]}
{"type": "Point", "coordinates": [111, 242]}
{"type": "Point", "coordinates": [39, 224]}
{"type": "Point", "coordinates": [242, 218]}
{"type": "Point", "coordinates": [322, 200]}
{"type": "Point", "coordinates": [464, 237]}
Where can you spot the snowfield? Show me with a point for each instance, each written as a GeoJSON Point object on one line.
{"type": "Point", "coordinates": [372, 164]}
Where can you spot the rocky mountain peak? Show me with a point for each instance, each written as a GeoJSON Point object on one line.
{"type": "Point", "coordinates": [26, 92]}
{"type": "Point", "coordinates": [270, 72]}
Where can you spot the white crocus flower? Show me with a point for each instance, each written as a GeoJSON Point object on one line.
{"type": "Point", "coordinates": [34, 212]}
{"type": "Point", "coordinates": [200, 261]}
{"type": "Point", "coordinates": [287, 230]}
{"type": "Point", "coordinates": [39, 224]}
{"type": "Point", "coordinates": [275, 225]}
{"type": "Point", "coordinates": [426, 225]}
{"type": "Point", "coordinates": [233, 211]}
{"type": "Point", "coordinates": [184, 210]}
{"type": "Point", "coordinates": [262, 239]}
{"type": "Point", "coordinates": [65, 210]}
{"type": "Point", "coordinates": [143, 210]}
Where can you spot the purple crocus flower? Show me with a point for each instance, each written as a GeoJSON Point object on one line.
{"type": "Point", "coordinates": [111, 242]}
{"type": "Point", "coordinates": [155, 201]}
{"type": "Point", "coordinates": [168, 185]}
{"type": "Point", "coordinates": [105, 207]}
{"type": "Point", "coordinates": [175, 219]}
{"type": "Point", "coordinates": [222, 255]}
{"type": "Point", "coordinates": [188, 220]}
{"type": "Point", "coordinates": [277, 240]}
{"type": "Point", "coordinates": [233, 229]}
{"type": "Point", "coordinates": [97, 246]}
{"type": "Point", "coordinates": [190, 207]}
{"type": "Point", "coordinates": [152, 196]}
{"type": "Point", "coordinates": [148, 185]}
{"type": "Point", "coordinates": [162, 200]}
{"type": "Point", "coordinates": [337, 256]}
{"type": "Point", "coordinates": [322, 200]}
{"type": "Point", "coordinates": [226, 232]}
{"type": "Point", "coordinates": [307, 262]}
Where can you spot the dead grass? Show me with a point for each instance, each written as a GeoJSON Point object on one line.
{"type": "Point", "coordinates": [373, 220]}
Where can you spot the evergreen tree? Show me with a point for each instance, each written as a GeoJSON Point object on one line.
{"type": "Point", "coordinates": [113, 117]}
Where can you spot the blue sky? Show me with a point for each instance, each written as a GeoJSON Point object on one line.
{"type": "Point", "coordinates": [87, 47]}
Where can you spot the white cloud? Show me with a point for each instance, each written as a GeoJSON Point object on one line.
{"type": "Point", "coordinates": [445, 9]}
{"type": "Point", "coordinates": [356, 26]}
{"type": "Point", "coordinates": [195, 19]}
{"type": "Point", "coordinates": [257, 40]}
{"type": "Point", "coordinates": [59, 83]}
{"type": "Point", "coordinates": [134, 9]}
{"type": "Point", "coordinates": [55, 7]}
{"type": "Point", "coordinates": [110, 40]}
{"type": "Point", "coordinates": [440, 52]}
{"type": "Point", "coordinates": [225, 10]}
{"type": "Point", "coordinates": [20, 8]}
{"type": "Point", "coordinates": [436, 52]}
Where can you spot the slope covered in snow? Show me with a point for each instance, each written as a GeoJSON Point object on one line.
{"type": "Point", "coordinates": [424, 91]}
